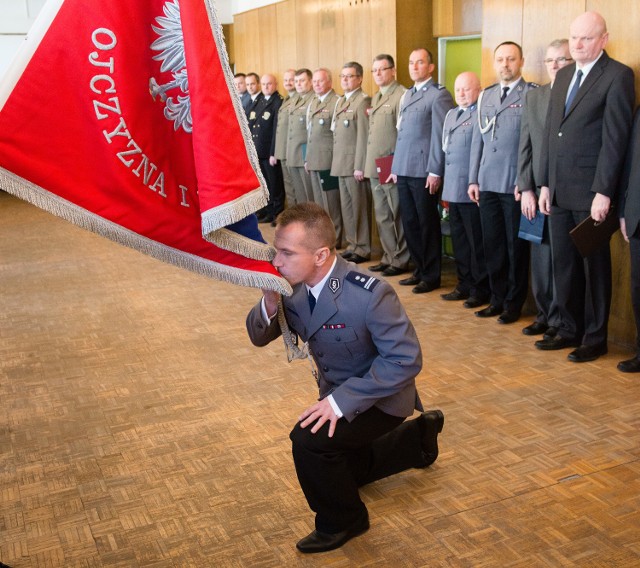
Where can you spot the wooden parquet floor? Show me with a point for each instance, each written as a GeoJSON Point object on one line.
{"type": "Point", "coordinates": [139, 427]}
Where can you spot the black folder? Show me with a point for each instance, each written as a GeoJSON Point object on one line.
{"type": "Point", "coordinates": [590, 235]}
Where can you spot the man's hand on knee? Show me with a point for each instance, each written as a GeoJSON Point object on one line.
{"type": "Point", "coordinates": [319, 413]}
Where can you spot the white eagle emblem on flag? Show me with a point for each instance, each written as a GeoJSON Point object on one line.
{"type": "Point", "coordinates": [170, 44]}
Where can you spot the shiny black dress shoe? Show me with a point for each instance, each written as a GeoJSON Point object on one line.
{"type": "Point", "coordinates": [556, 342]}
{"type": "Point", "coordinates": [423, 287]}
{"type": "Point", "coordinates": [508, 317]}
{"type": "Point", "coordinates": [346, 254]}
{"type": "Point", "coordinates": [378, 267]}
{"type": "Point", "coordinates": [474, 302]}
{"type": "Point", "coordinates": [393, 271]}
{"type": "Point", "coordinates": [489, 312]}
{"type": "Point", "coordinates": [431, 424]}
{"type": "Point", "coordinates": [551, 332]}
{"type": "Point", "coordinates": [411, 281]}
{"type": "Point", "coordinates": [454, 296]}
{"type": "Point", "coordinates": [630, 365]}
{"type": "Point", "coordinates": [318, 541]}
{"type": "Point", "coordinates": [586, 353]}
{"type": "Point", "coordinates": [536, 328]}
{"type": "Point", "coordinates": [357, 258]}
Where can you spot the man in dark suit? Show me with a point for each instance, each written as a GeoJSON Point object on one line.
{"type": "Point", "coordinates": [263, 132]}
{"type": "Point", "coordinates": [534, 115]}
{"type": "Point", "coordinates": [367, 356]}
{"type": "Point", "coordinates": [630, 227]}
{"type": "Point", "coordinates": [241, 86]}
{"type": "Point", "coordinates": [586, 134]}
{"type": "Point", "coordinates": [417, 168]}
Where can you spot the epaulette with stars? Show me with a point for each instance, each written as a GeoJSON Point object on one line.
{"type": "Point", "coordinates": [534, 85]}
{"type": "Point", "coordinates": [362, 280]}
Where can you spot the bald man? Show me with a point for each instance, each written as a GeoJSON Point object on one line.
{"type": "Point", "coordinates": [464, 215]}
{"type": "Point", "coordinates": [586, 136]}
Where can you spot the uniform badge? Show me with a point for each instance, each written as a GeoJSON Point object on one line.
{"type": "Point", "coordinates": [334, 284]}
{"type": "Point", "coordinates": [252, 116]}
{"type": "Point", "coordinates": [266, 115]}
{"type": "Point", "coordinates": [346, 123]}
{"type": "Point", "coordinates": [321, 121]}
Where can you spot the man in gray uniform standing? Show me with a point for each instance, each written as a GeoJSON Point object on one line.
{"type": "Point", "coordinates": [464, 217]}
{"type": "Point", "coordinates": [492, 183]}
{"type": "Point", "coordinates": [383, 117]}
{"type": "Point", "coordinates": [418, 166]}
{"type": "Point", "coordinates": [279, 149]}
{"type": "Point", "coordinates": [320, 146]}
{"type": "Point", "coordinates": [297, 137]}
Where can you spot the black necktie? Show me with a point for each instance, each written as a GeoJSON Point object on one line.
{"type": "Point", "coordinates": [574, 91]}
{"type": "Point", "coordinates": [505, 90]}
{"type": "Point", "coordinates": [312, 301]}
{"type": "Point", "coordinates": [459, 113]}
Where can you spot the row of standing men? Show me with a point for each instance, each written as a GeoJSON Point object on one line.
{"type": "Point", "coordinates": [491, 158]}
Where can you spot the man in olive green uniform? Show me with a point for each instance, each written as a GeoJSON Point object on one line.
{"type": "Point", "coordinates": [383, 117]}
{"type": "Point", "coordinates": [350, 133]}
{"type": "Point", "coordinates": [297, 137]}
{"type": "Point", "coordinates": [279, 151]}
{"type": "Point", "coordinates": [320, 147]}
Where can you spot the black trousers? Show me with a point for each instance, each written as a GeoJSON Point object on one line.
{"type": "Point", "coordinates": [372, 446]}
{"type": "Point", "coordinates": [275, 184]}
{"type": "Point", "coordinates": [542, 287]}
{"type": "Point", "coordinates": [466, 236]}
{"type": "Point", "coordinates": [583, 285]}
{"type": "Point", "coordinates": [634, 242]}
{"type": "Point", "coordinates": [507, 256]}
{"type": "Point", "coordinates": [421, 224]}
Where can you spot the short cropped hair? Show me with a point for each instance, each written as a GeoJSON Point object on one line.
{"type": "Point", "coordinates": [356, 66]}
{"type": "Point", "coordinates": [240, 75]}
{"type": "Point", "coordinates": [385, 57]}
{"type": "Point", "coordinates": [509, 43]}
{"type": "Point", "coordinates": [304, 71]}
{"type": "Point", "coordinates": [255, 76]}
{"type": "Point", "coordinates": [558, 43]}
{"type": "Point", "coordinates": [316, 221]}
{"type": "Point", "coordinates": [429, 54]}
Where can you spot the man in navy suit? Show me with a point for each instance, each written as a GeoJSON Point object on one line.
{"type": "Point", "coordinates": [367, 356]}
{"type": "Point", "coordinates": [586, 135]}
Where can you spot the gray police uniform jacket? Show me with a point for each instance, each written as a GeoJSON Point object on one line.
{"type": "Point", "coordinates": [419, 145]}
{"type": "Point", "coordinates": [297, 131]}
{"type": "Point", "coordinates": [350, 133]}
{"type": "Point", "coordinates": [366, 350]}
{"type": "Point", "coordinates": [319, 135]}
{"type": "Point", "coordinates": [457, 134]}
{"type": "Point", "coordinates": [496, 136]}
{"type": "Point", "coordinates": [383, 118]}
{"type": "Point", "coordinates": [282, 128]}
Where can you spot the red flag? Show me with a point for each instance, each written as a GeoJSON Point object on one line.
{"type": "Point", "coordinates": [120, 116]}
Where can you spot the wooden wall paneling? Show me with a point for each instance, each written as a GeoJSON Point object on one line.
{"type": "Point", "coordinates": [383, 34]}
{"type": "Point", "coordinates": [443, 18]}
{"type": "Point", "coordinates": [414, 28]}
{"type": "Point", "coordinates": [227, 32]}
{"type": "Point", "coordinates": [543, 22]}
{"type": "Point", "coordinates": [268, 46]}
{"type": "Point", "coordinates": [331, 38]}
{"type": "Point", "coordinates": [307, 24]}
{"type": "Point", "coordinates": [467, 17]}
{"type": "Point", "coordinates": [239, 27]}
{"type": "Point", "coordinates": [357, 40]}
{"type": "Point", "coordinates": [286, 38]}
{"type": "Point", "coordinates": [253, 53]}
{"type": "Point", "coordinates": [502, 22]}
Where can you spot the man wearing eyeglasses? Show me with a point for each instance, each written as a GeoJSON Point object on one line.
{"type": "Point", "coordinates": [383, 117]}
{"type": "Point", "coordinates": [531, 140]}
{"type": "Point", "coordinates": [586, 136]}
{"type": "Point", "coordinates": [350, 127]}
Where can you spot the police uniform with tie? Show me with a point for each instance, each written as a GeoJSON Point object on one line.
{"type": "Point", "coordinates": [296, 148]}
{"type": "Point", "coordinates": [319, 156]}
{"type": "Point", "coordinates": [383, 117]}
{"type": "Point", "coordinates": [494, 167]}
{"type": "Point", "coordinates": [350, 132]}
{"type": "Point", "coordinates": [464, 217]}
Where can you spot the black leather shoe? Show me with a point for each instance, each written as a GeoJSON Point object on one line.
{"type": "Point", "coordinates": [318, 541]}
{"type": "Point", "coordinates": [508, 317]}
{"type": "Point", "coordinates": [346, 254]}
{"type": "Point", "coordinates": [474, 302]}
{"type": "Point", "coordinates": [454, 296]}
{"type": "Point", "coordinates": [378, 267]}
{"type": "Point", "coordinates": [551, 332]}
{"type": "Point", "coordinates": [393, 271]}
{"type": "Point", "coordinates": [630, 365]}
{"type": "Point", "coordinates": [422, 287]}
{"type": "Point", "coordinates": [556, 342]}
{"type": "Point", "coordinates": [489, 312]}
{"type": "Point", "coordinates": [431, 424]}
{"type": "Point", "coordinates": [586, 353]}
{"type": "Point", "coordinates": [357, 258]}
{"type": "Point", "coordinates": [411, 281]}
{"type": "Point", "coordinates": [536, 328]}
